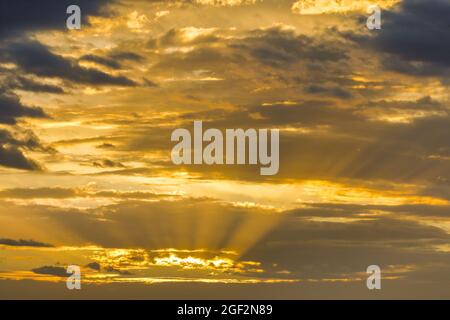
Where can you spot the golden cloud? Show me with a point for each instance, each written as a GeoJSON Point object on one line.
{"type": "Point", "coordinates": [338, 6]}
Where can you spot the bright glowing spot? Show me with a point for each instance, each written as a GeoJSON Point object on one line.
{"type": "Point", "coordinates": [338, 6]}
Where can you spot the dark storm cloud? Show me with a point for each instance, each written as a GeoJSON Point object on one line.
{"type": "Point", "coordinates": [11, 150]}
{"type": "Point", "coordinates": [20, 16]}
{"type": "Point", "coordinates": [416, 35]}
{"type": "Point", "coordinates": [11, 108]}
{"type": "Point", "coordinates": [27, 140]}
{"type": "Point", "coordinates": [14, 158]}
{"type": "Point", "coordinates": [51, 270]}
{"type": "Point", "coordinates": [418, 31]}
{"type": "Point", "coordinates": [24, 243]}
{"type": "Point", "coordinates": [11, 154]}
{"type": "Point", "coordinates": [35, 58]}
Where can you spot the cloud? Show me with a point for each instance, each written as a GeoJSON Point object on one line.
{"type": "Point", "coordinates": [108, 164]}
{"type": "Point", "coordinates": [225, 2]}
{"type": "Point", "coordinates": [51, 270]}
{"type": "Point", "coordinates": [13, 158]}
{"type": "Point", "coordinates": [94, 266]}
{"type": "Point", "coordinates": [316, 241]}
{"type": "Point", "coordinates": [151, 224]}
{"type": "Point", "coordinates": [22, 16]}
{"type": "Point", "coordinates": [106, 145]}
{"type": "Point", "coordinates": [415, 36]}
{"type": "Point", "coordinates": [185, 36]}
{"type": "Point", "coordinates": [337, 6]}
{"type": "Point", "coordinates": [110, 63]}
{"type": "Point", "coordinates": [24, 243]}
{"type": "Point", "coordinates": [332, 91]}
{"type": "Point", "coordinates": [115, 270]}
{"type": "Point", "coordinates": [319, 242]}
{"type": "Point", "coordinates": [11, 149]}
{"type": "Point", "coordinates": [217, 50]}
{"type": "Point", "coordinates": [12, 108]}
{"type": "Point", "coordinates": [26, 84]}
{"type": "Point", "coordinates": [55, 193]}
{"type": "Point", "coordinates": [371, 140]}
{"type": "Point", "coordinates": [66, 193]}
{"type": "Point", "coordinates": [216, 3]}
{"type": "Point", "coordinates": [126, 56]}
{"type": "Point", "coordinates": [13, 81]}
{"type": "Point", "coordinates": [280, 47]}
{"type": "Point", "coordinates": [417, 31]}
{"type": "Point", "coordinates": [342, 120]}
{"type": "Point", "coordinates": [35, 58]}
{"type": "Point", "coordinates": [270, 63]}
{"type": "Point", "coordinates": [360, 211]}
{"type": "Point", "coordinates": [97, 267]}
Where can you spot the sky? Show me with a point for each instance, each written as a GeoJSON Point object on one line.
{"type": "Point", "coordinates": [86, 176]}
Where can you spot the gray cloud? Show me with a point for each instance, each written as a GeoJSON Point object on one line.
{"type": "Point", "coordinates": [418, 31]}
{"type": "Point", "coordinates": [35, 58]}
{"type": "Point", "coordinates": [332, 91]}
{"type": "Point", "coordinates": [11, 150]}
{"type": "Point", "coordinates": [108, 164]}
{"type": "Point", "coordinates": [14, 81]}
{"type": "Point", "coordinates": [51, 270]}
{"type": "Point", "coordinates": [415, 35]}
{"type": "Point", "coordinates": [24, 243]}
{"type": "Point", "coordinates": [94, 266]}
{"type": "Point", "coordinates": [12, 108]}
{"type": "Point", "coordinates": [13, 158]}
{"type": "Point", "coordinates": [280, 48]}
{"type": "Point", "coordinates": [22, 16]}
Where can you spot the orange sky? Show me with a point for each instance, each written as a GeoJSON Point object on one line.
{"type": "Point", "coordinates": [86, 176]}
